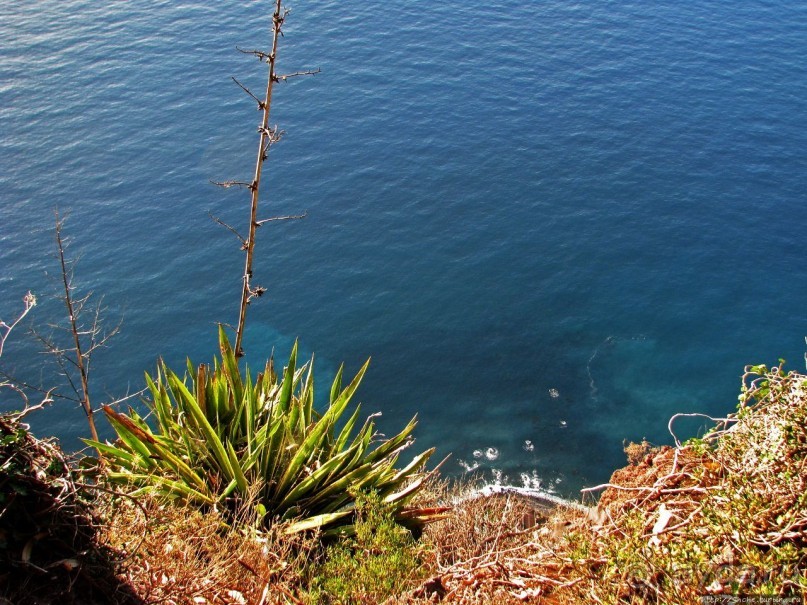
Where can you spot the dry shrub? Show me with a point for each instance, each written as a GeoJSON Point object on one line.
{"type": "Point", "coordinates": [496, 549]}
{"type": "Point", "coordinates": [638, 452]}
{"type": "Point", "coordinates": [178, 555]}
{"type": "Point", "coordinates": [764, 458]}
{"type": "Point", "coordinates": [637, 476]}
{"type": "Point", "coordinates": [49, 547]}
{"type": "Point", "coordinates": [722, 515]}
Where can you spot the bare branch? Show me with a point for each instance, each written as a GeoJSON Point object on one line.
{"type": "Point", "coordinates": [51, 348]}
{"type": "Point", "coordinates": [71, 314]}
{"type": "Point", "coordinates": [120, 400]}
{"type": "Point", "coordinates": [258, 53]}
{"type": "Point", "coordinates": [695, 415]}
{"type": "Point", "coordinates": [307, 72]}
{"type": "Point", "coordinates": [226, 226]}
{"type": "Point", "coordinates": [29, 301]}
{"type": "Point", "coordinates": [249, 92]}
{"type": "Point", "coordinates": [18, 390]}
{"type": "Point", "coordinates": [62, 359]}
{"type": "Point", "coordinates": [256, 291]}
{"type": "Point", "coordinates": [12, 382]}
{"type": "Point", "coordinates": [5, 329]}
{"type": "Point", "coordinates": [46, 401]}
{"type": "Point", "coordinates": [283, 218]}
{"type": "Point", "coordinates": [228, 184]}
{"type": "Point", "coordinates": [655, 490]}
{"type": "Point", "coordinates": [78, 303]}
{"type": "Point", "coordinates": [273, 135]}
{"type": "Point", "coordinates": [247, 292]}
{"type": "Point", "coordinates": [99, 337]}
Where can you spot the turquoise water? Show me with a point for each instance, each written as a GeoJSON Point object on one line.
{"type": "Point", "coordinates": [551, 224]}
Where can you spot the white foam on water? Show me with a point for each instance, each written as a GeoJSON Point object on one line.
{"type": "Point", "coordinates": [530, 492]}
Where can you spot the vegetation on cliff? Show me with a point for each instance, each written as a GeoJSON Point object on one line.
{"type": "Point", "coordinates": [724, 514]}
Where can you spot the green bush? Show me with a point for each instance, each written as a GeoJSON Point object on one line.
{"type": "Point", "coordinates": [380, 560]}
{"type": "Point", "coordinates": [223, 440]}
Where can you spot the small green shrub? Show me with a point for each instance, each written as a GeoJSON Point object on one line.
{"type": "Point", "coordinates": [381, 559]}
{"type": "Point", "coordinates": [223, 441]}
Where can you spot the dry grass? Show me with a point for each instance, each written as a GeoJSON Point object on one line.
{"type": "Point", "coordinates": [496, 549]}
{"type": "Point", "coordinates": [177, 555]}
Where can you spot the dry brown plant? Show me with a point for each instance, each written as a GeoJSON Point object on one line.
{"type": "Point", "coordinates": [177, 555]}
{"type": "Point", "coordinates": [496, 549]}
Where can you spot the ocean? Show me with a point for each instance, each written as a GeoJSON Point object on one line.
{"type": "Point", "coordinates": [551, 224]}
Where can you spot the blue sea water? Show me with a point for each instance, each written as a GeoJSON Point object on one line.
{"type": "Point", "coordinates": [552, 224]}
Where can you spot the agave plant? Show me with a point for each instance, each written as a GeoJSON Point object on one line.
{"type": "Point", "coordinates": [221, 439]}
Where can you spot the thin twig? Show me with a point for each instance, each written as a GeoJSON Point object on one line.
{"type": "Point", "coordinates": [80, 360]}
{"type": "Point", "coordinates": [695, 415]}
{"type": "Point", "coordinates": [258, 53]}
{"type": "Point", "coordinates": [10, 381]}
{"type": "Point", "coordinates": [249, 92]}
{"type": "Point", "coordinates": [120, 400]}
{"type": "Point", "coordinates": [307, 72]}
{"type": "Point", "coordinates": [47, 400]}
{"type": "Point", "coordinates": [5, 329]}
{"type": "Point", "coordinates": [228, 184]}
{"type": "Point", "coordinates": [283, 218]}
{"type": "Point", "coordinates": [657, 490]}
{"type": "Point", "coordinates": [229, 228]}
